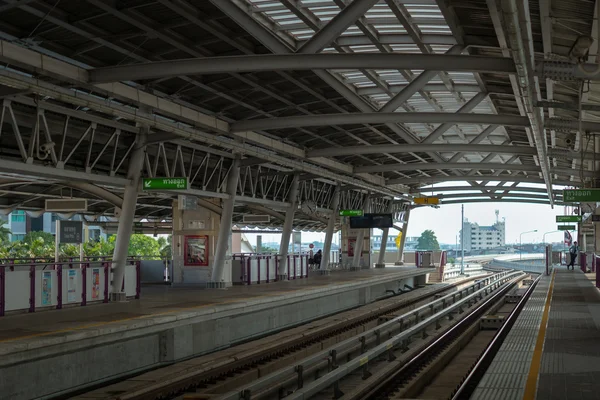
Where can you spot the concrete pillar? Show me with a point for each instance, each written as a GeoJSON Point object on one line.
{"type": "Point", "coordinates": [403, 238]}
{"type": "Point", "coordinates": [384, 238]}
{"type": "Point", "coordinates": [134, 172]}
{"type": "Point", "coordinates": [335, 203]}
{"type": "Point", "coordinates": [360, 239]}
{"type": "Point", "coordinates": [216, 280]}
{"type": "Point", "coordinates": [288, 226]}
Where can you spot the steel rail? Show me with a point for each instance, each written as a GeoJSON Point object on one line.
{"type": "Point", "coordinates": [349, 367]}
{"type": "Point", "coordinates": [466, 389]}
{"type": "Point", "coordinates": [431, 349]}
{"type": "Point", "coordinates": [271, 381]}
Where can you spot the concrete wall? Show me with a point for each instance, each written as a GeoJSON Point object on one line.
{"type": "Point", "coordinates": [52, 365]}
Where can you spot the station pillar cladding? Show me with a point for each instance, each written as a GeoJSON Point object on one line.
{"type": "Point", "coordinates": [196, 225]}
{"type": "Point", "coordinates": [349, 245]}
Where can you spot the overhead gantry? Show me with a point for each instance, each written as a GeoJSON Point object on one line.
{"type": "Point", "coordinates": [374, 99]}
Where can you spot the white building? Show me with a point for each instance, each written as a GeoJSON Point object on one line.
{"type": "Point", "coordinates": [479, 238]}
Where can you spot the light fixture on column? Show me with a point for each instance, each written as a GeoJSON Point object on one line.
{"type": "Point", "coordinates": [580, 48]}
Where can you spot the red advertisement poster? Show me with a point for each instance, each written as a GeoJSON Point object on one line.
{"type": "Point", "coordinates": [196, 251]}
{"type": "Point", "coordinates": [351, 246]}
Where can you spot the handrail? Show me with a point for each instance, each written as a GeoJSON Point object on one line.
{"type": "Point", "coordinates": [467, 387]}
{"type": "Point", "coordinates": [269, 380]}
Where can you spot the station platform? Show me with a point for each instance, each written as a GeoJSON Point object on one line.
{"type": "Point", "coordinates": [553, 349]}
{"type": "Point", "coordinates": [91, 345]}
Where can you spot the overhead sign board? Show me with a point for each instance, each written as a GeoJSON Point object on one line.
{"type": "Point", "coordinates": [70, 232]}
{"type": "Point", "coordinates": [581, 195]}
{"type": "Point", "coordinates": [164, 183]}
{"type": "Point", "coordinates": [568, 218]}
{"type": "Point", "coordinates": [566, 227]}
{"type": "Point", "coordinates": [351, 213]}
{"type": "Point", "coordinates": [427, 200]}
{"type": "Point", "coordinates": [368, 221]}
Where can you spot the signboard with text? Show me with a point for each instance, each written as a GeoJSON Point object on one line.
{"type": "Point", "coordinates": [566, 227]}
{"type": "Point", "coordinates": [164, 183]}
{"type": "Point", "coordinates": [70, 232]}
{"type": "Point", "coordinates": [581, 195]}
{"type": "Point", "coordinates": [568, 218]}
{"type": "Point", "coordinates": [351, 213]}
{"type": "Point", "coordinates": [427, 200]}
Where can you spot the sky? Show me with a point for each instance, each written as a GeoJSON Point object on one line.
{"type": "Point", "coordinates": [445, 221]}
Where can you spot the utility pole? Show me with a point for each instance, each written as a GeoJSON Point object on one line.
{"type": "Point", "coordinates": [462, 240]}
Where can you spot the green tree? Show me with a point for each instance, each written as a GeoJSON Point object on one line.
{"type": "Point", "coordinates": [4, 232]}
{"type": "Point", "coordinates": [46, 237]}
{"type": "Point", "coordinates": [428, 241]}
{"type": "Point", "coordinates": [143, 246]}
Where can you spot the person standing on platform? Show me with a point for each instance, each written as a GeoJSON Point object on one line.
{"type": "Point", "coordinates": [317, 258]}
{"type": "Point", "coordinates": [573, 251]}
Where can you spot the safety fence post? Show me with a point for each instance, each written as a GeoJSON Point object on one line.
{"type": "Point", "coordinates": [288, 267]}
{"type": "Point", "coordinates": [106, 280]}
{"type": "Point", "coordinates": [583, 261]}
{"type": "Point", "coordinates": [59, 286]}
{"type": "Point", "coordinates": [32, 288]}
{"type": "Point", "coordinates": [597, 274]}
{"type": "Point", "coordinates": [276, 267]}
{"type": "Point", "coordinates": [268, 258]}
{"type": "Point", "coordinates": [306, 260]}
{"type": "Point", "coordinates": [249, 271]}
{"type": "Point", "coordinates": [138, 278]}
{"type": "Point", "coordinates": [295, 266]}
{"type": "Point", "coordinates": [258, 259]}
{"type": "Point", "coordinates": [84, 267]}
{"type": "Point", "coordinates": [548, 259]}
{"type": "Point", "coordinates": [2, 290]}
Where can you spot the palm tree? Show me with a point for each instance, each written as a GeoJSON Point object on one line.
{"type": "Point", "coordinates": [4, 232]}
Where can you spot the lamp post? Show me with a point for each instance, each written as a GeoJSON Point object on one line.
{"type": "Point", "coordinates": [521, 242]}
{"type": "Point", "coordinates": [544, 236]}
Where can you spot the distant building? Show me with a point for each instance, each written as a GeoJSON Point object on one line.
{"type": "Point", "coordinates": [410, 243]}
{"type": "Point", "coordinates": [21, 223]}
{"type": "Point", "coordinates": [481, 238]}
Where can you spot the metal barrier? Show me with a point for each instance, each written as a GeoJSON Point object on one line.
{"type": "Point", "coordinates": [450, 272]}
{"type": "Point", "coordinates": [536, 266]}
{"type": "Point", "coordinates": [254, 268]}
{"type": "Point", "coordinates": [53, 285]}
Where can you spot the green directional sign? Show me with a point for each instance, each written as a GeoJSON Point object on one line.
{"type": "Point", "coordinates": [164, 183]}
{"type": "Point", "coordinates": [566, 227]}
{"type": "Point", "coordinates": [351, 213]}
{"type": "Point", "coordinates": [581, 195]}
{"type": "Point", "coordinates": [568, 218]}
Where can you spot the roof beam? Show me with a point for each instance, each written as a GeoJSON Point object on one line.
{"type": "Point", "coordinates": [429, 189]}
{"type": "Point", "coordinates": [411, 148]}
{"type": "Point", "coordinates": [521, 201]}
{"type": "Point", "coordinates": [489, 178]}
{"type": "Point", "coordinates": [377, 118]}
{"type": "Point", "coordinates": [337, 26]}
{"type": "Point", "coordinates": [279, 62]}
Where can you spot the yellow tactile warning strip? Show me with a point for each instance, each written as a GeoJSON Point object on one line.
{"type": "Point", "coordinates": [534, 369]}
{"type": "Point", "coordinates": [229, 301]}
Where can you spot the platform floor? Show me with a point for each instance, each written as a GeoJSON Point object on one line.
{"type": "Point", "coordinates": [553, 350]}
{"type": "Point", "coordinates": [157, 300]}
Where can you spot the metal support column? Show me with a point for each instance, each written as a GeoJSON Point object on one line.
{"type": "Point", "coordinates": [216, 280]}
{"type": "Point", "coordinates": [134, 172]}
{"type": "Point", "coordinates": [288, 226]}
{"type": "Point", "coordinates": [358, 247]}
{"type": "Point", "coordinates": [462, 240]}
{"type": "Point", "coordinates": [403, 238]}
{"type": "Point", "coordinates": [384, 238]}
{"type": "Point", "coordinates": [330, 228]}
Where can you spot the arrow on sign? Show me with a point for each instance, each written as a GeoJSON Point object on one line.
{"type": "Point", "coordinates": [147, 184]}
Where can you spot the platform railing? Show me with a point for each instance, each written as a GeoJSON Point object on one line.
{"type": "Point", "coordinates": [51, 285]}
{"type": "Point", "coordinates": [257, 268]}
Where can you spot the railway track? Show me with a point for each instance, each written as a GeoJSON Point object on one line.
{"type": "Point", "coordinates": [342, 369]}
{"type": "Point", "coordinates": [219, 372]}
{"type": "Point", "coordinates": [437, 370]}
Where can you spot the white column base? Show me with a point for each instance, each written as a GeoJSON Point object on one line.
{"type": "Point", "coordinates": [283, 277]}
{"type": "Point", "coordinates": [322, 272]}
{"type": "Point", "coordinates": [398, 263]}
{"type": "Point", "coordinates": [119, 297]}
{"type": "Point", "coordinates": [216, 285]}
{"type": "Point", "coordinates": [379, 265]}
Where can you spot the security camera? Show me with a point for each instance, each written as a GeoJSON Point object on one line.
{"type": "Point", "coordinates": [570, 140]}
{"type": "Point", "coordinates": [47, 147]}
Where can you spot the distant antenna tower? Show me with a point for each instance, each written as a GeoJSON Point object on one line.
{"type": "Point", "coordinates": [497, 214]}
